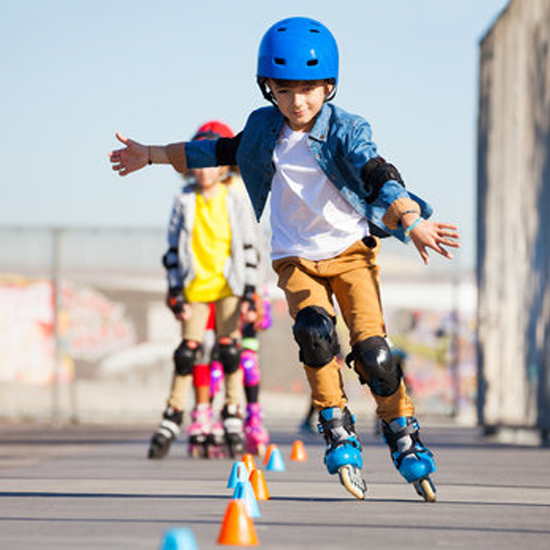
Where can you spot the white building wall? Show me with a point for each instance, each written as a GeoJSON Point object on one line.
{"type": "Point", "coordinates": [513, 208]}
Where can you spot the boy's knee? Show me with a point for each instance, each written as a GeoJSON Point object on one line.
{"type": "Point", "coordinates": [373, 362]}
{"type": "Point", "coordinates": [314, 331]}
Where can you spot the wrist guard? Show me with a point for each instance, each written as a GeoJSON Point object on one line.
{"type": "Point", "coordinates": [248, 296]}
{"type": "Point", "coordinates": [175, 300]}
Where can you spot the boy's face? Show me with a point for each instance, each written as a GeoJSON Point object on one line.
{"type": "Point", "coordinates": [300, 101]}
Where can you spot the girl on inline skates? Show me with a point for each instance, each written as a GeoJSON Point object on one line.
{"type": "Point", "coordinates": [211, 258]}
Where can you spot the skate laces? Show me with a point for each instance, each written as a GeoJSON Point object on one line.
{"type": "Point", "coordinates": [169, 426]}
{"type": "Point", "coordinates": [253, 415]}
{"type": "Point", "coordinates": [232, 421]}
{"type": "Point", "coordinates": [254, 421]}
{"type": "Point", "coordinates": [172, 415]}
{"type": "Point", "coordinates": [402, 436]}
{"type": "Point", "coordinates": [202, 414]}
{"type": "Point", "coordinates": [337, 426]}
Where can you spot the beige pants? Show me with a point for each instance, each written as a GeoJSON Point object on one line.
{"type": "Point", "coordinates": [228, 313]}
{"type": "Point", "coordinates": [352, 278]}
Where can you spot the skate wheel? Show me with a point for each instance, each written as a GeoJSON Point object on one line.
{"type": "Point", "coordinates": [350, 478]}
{"type": "Point", "coordinates": [215, 453]}
{"type": "Point", "coordinates": [426, 489]}
{"type": "Point", "coordinates": [157, 451]}
{"type": "Point", "coordinates": [196, 452]}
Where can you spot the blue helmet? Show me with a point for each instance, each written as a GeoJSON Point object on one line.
{"type": "Point", "coordinates": [298, 48]}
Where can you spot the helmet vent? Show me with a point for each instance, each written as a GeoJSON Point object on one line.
{"type": "Point", "coordinates": [312, 62]}
{"type": "Point", "coordinates": [313, 30]}
{"type": "Point", "coordinates": [281, 29]}
{"type": "Point", "coordinates": [280, 61]}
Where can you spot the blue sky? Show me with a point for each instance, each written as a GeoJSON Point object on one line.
{"type": "Point", "coordinates": [74, 72]}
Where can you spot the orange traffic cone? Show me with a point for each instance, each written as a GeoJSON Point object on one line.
{"type": "Point", "coordinates": [237, 527]}
{"type": "Point", "coordinates": [298, 452]}
{"type": "Point", "coordinates": [257, 480]}
{"type": "Point", "coordinates": [268, 452]}
{"type": "Point", "coordinates": [248, 459]}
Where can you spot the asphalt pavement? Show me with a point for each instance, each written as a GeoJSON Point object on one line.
{"type": "Point", "coordinates": [92, 488]}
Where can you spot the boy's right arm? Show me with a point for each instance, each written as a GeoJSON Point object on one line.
{"type": "Point", "coordinates": [203, 153]}
{"type": "Point", "coordinates": [135, 156]}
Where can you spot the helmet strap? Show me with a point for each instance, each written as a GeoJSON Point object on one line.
{"type": "Point", "coordinates": [332, 94]}
{"type": "Point", "coordinates": [266, 92]}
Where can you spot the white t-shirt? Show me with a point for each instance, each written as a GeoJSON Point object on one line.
{"type": "Point", "coordinates": [309, 216]}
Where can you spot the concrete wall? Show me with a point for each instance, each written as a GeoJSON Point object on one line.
{"type": "Point", "coordinates": [513, 210]}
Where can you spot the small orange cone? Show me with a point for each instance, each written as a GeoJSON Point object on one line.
{"type": "Point", "coordinates": [298, 452]}
{"type": "Point", "coordinates": [237, 527]}
{"type": "Point", "coordinates": [248, 459]}
{"type": "Point", "coordinates": [257, 480]}
{"type": "Point", "coordinates": [268, 452]}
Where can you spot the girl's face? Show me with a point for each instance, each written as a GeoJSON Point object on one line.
{"type": "Point", "coordinates": [207, 178]}
{"type": "Point", "coordinates": [300, 101]}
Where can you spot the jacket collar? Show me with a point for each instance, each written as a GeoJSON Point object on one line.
{"type": "Point", "coordinates": [320, 128]}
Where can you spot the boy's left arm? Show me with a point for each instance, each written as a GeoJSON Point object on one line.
{"type": "Point", "coordinates": [405, 213]}
{"type": "Point", "coordinates": [400, 211]}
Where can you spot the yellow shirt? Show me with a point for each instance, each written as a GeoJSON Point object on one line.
{"type": "Point", "coordinates": [210, 248]}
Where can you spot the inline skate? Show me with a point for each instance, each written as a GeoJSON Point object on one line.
{"type": "Point", "coordinates": [233, 427]}
{"type": "Point", "coordinates": [255, 434]}
{"type": "Point", "coordinates": [166, 433]}
{"type": "Point", "coordinates": [216, 441]}
{"type": "Point", "coordinates": [199, 431]}
{"type": "Point", "coordinates": [413, 461]}
{"type": "Point", "coordinates": [343, 452]}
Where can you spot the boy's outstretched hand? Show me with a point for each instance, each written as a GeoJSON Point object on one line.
{"type": "Point", "coordinates": [434, 235]}
{"type": "Point", "coordinates": [130, 158]}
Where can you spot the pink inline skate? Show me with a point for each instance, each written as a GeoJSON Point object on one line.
{"type": "Point", "coordinates": [216, 441]}
{"type": "Point", "coordinates": [256, 436]}
{"type": "Point", "coordinates": [200, 430]}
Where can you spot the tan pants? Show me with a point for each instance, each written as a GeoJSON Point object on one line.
{"type": "Point", "coordinates": [352, 278]}
{"type": "Point", "coordinates": [228, 313]}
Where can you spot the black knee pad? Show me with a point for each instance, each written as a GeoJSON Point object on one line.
{"type": "Point", "coordinates": [375, 366]}
{"type": "Point", "coordinates": [229, 355]}
{"type": "Point", "coordinates": [185, 356]}
{"type": "Point", "coordinates": [314, 331]}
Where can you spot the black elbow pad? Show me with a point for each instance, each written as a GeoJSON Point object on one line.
{"type": "Point", "coordinates": [375, 174]}
{"type": "Point", "coordinates": [226, 150]}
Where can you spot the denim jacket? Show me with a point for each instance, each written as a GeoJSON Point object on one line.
{"type": "Point", "coordinates": [341, 143]}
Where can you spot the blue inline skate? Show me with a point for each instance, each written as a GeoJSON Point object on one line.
{"type": "Point", "coordinates": [413, 461]}
{"type": "Point", "coordinates": [343, 453]}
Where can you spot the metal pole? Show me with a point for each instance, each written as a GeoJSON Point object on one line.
{"type": "Point", "coordinates": [55, 277]}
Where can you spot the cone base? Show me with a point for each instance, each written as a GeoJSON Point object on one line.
{"type": "Point", "coordinates": [237, 528]}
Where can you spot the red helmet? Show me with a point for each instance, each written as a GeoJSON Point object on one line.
{"type": "Point", "coordinates": [213, 129]}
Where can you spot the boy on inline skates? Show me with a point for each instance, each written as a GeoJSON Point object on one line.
{"type": "Point", "coordinates": [332, 196]}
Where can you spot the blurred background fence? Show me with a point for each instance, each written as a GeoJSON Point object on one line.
{"type": "Point", "coordinates": [85, 334]}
